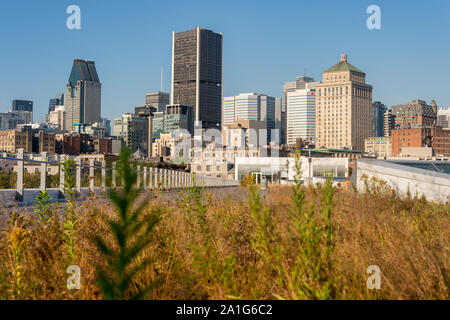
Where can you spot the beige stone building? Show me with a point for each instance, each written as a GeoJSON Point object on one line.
{"type": "Point", "coordinates": [218, 161]}
{"type": "Point", "coordinates": [343, 107]}
{"type": "Point", "coordinates": [379, 146]}
{"type": "Point", "coordinates": [12, 140]}
{"type": "Point", "coordinates": [243, 133]}
{"type": "Point", "coordinates": [163, 146]}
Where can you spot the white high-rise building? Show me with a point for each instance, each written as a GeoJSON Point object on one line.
{"type": "Point", "coordinates": [301, 114]}
{"type": "Point", "coordinates": [443, 118]}
{"type": "Point", "coordinates": [252, 106]}
{"type": "Point", "coordinates": [57, 117]}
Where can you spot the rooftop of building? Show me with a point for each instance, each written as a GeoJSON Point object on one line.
{"type": "Point", "coordinates": [83, 70]}
{"type": "Point", "coordinates": [156, 93]}
{"type": "Point", "coordinates": [343, 65]}
{"type": "Point", "coordinates": [245, 124]}
{"type": "Point", "coordinates": [334, 150]}
{"type": "Point", "coordinates": [379, 138]}
{"type": "Point", "coordinates": [416, 106]}
{"type": "Point", "coordinates": [194, 29]}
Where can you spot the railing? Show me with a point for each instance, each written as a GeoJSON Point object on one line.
{"type": "Point", "coordinates": [148, 177]}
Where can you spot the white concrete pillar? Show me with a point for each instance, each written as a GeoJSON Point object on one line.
{"type": "Point", "coordinates": [91, 175]}
{"type": "Point", "coordinates": [157, 177]}
{"type": "Point", "coordinates": [165, 180]}
{"type": "Point", "coordinates": [62, 159]}
{"type": "Point", "coordinates": [104, 174]}
{"type": "Point", "coordinates": [20, 166]}
{"type": "Point", "coordinates": [151, 179]}
{"type": "Point", "coordinates": [138, 171]}
{"type": "Point", "coordinates": [145, 178]}
{"type": "Point", "coordinates": [44, 157]}
{"type": "Point", "coordinates": [114, 174]}
{"type": "Point", "coordinates": [174, 185]}
{"type": "Point", "coordinates": [78, 174]}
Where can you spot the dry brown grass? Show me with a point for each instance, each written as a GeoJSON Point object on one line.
{"type": "Point", "coordinates": [203, 249]}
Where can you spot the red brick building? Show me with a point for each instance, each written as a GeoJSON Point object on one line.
{"type": "Point", "coordinates": [410, 138]}
{"type": "Point", "coordinates": [441, 141]}
{"type": "Point", "coordinates": [103, 145]}
{"type": "Point", "coordinates": [434, 137]}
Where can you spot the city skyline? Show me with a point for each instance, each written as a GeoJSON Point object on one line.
{"type": "Point", "coordinates": [233, 152]}
{"type": "Point", "coordinates": [250, 65]}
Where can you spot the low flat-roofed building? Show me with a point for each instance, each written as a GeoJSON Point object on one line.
{"type": "Point", "coordinates": [379, 146]}
{"type": "Point", "coordinates": [12, 140]}
{"type": "Point", "coordinates": [417, 152]}
{"type": "Point", "coordinates": [218, 161]}
{"type": "Point", "coordinates": [283, 170]}
{"type": "Point", "coordinates": [35, 168]}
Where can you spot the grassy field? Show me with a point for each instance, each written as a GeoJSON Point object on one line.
{"type": "Point", "coordinates": [285, 243]}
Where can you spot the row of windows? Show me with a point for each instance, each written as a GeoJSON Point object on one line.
{"type": "Point", "coordinates": [332, 91]}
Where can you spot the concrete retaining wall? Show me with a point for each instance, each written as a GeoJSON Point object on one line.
{"type": "Point", "coordinates": [209, 182]}
{"type": "Point", "coordinates": [433, 185]}
{"type": "Point", "coordinates": [8, 197]}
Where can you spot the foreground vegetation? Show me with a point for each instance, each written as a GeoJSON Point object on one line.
{"type": "Point", "coordinates": [287, 243]}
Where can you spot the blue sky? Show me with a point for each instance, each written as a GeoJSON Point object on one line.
{"type": "Point", "coordinates": [266, 43]}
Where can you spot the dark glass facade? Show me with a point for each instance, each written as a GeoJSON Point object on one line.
{"type": "Point", "coordinates": [378, 110]}
{"type": "Point", "coordinates": [22, 105]}
{"type": "Point", "coordinates": [202, 47]}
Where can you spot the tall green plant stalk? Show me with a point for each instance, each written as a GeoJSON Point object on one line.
{"type": "Point", "coordinates": [43, 208]}
{"type": "Point", "coordinates": [70, 216]}
{"type": "Point", "coordinates": [312, 274]}
{"type": "Point", "coordinates": [130, 231]}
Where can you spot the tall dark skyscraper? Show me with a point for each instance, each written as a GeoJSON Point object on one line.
{"type": "Point", "coordinates": [197, 74]}
{"type": "Point", "coordinates": [82, 100]}
{"type": "Point", "coordinates": [378, 111]}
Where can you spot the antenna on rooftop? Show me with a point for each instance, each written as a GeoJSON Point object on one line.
{"type": "Point", "coordinates": [162, 78]}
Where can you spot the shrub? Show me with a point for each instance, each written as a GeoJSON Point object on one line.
{"type": "Point", "coordinates": [70, 215]}
{"type": "Point", "coordinates": [130, 232]}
